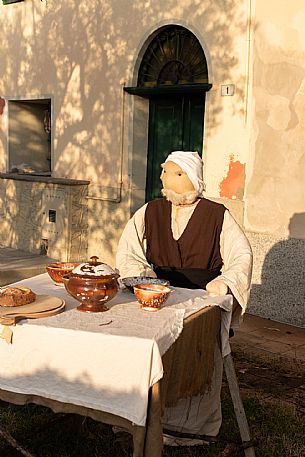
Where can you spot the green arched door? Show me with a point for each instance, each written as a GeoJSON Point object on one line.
{"type": "Point", "coordinates": [175, 123]}
{"type": "Point", "coordinates": [174, 76]}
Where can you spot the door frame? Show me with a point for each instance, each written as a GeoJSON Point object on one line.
{"type": "Point", "coordinates": [138, 107]}
{"type": "Point", "coordinates": [186, 129]}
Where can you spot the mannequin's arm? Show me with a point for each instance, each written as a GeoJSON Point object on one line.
{"type": "Point", "coordinates": [237, 264]}
{"type": "Point", "coordinates": [130, 258]}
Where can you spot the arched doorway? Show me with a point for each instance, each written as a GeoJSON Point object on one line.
{"type": "Point", "coordinates": [173, 75]}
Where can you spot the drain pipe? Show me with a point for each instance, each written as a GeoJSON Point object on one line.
{"type": "Point", "coordinates": [118, 199]}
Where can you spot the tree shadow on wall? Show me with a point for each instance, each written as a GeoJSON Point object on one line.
{"type": "Point", "coordinates": [281, 294]}
{"type": "Point", "coordinates": [84, 75]}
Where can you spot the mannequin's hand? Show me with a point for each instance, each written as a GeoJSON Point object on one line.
{"type": "Point", "coordinates": [217, 287]}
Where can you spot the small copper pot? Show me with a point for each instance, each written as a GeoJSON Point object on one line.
{"type": "Point", "coordinates": [151, 296]}
{"type": "Point", "coordinates": [94, 291]}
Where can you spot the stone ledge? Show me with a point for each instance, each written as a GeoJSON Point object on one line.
{"type": "Point", "coordinates": [45, 179]}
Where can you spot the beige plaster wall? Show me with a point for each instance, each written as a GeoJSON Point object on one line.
{"type": "Point", "coordinates": [275, 199]}
{"type": "Point", "coordinates": [82, 53]}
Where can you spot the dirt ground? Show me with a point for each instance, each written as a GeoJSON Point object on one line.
{"type": "Point", "coordinates": [271, 379]}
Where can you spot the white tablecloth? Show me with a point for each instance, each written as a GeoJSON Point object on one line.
{"type": "Point", "coordinates": [105, 361]}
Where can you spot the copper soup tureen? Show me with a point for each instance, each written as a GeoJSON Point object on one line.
{"type": "Point", "coordinates": [93, 284]}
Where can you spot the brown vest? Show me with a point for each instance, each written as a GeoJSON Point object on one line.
{"type": "Point", "coordinates": [198, 247]}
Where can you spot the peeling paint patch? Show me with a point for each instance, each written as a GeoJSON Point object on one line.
{"type": "Point", "coordinates": [232, 186]}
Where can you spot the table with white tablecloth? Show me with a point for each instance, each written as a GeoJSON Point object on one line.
{"type": "Point", "coordinates": [98, 362]}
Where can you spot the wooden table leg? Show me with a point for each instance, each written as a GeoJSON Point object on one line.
{"type": "Point", "coordinates": [8, 437]}
{"type": "Point", "coordinates": [238, 405]}
{"type": "Point", "coordinates": [154, 432]}
{"type": "Point", "coordinates": [138, 436]}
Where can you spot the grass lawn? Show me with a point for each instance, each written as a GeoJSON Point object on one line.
{"type": "Point", "coordinates": [273, 394]}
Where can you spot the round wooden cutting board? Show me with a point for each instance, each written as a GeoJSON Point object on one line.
{"type": "Point", "coordinates": [43, 306]}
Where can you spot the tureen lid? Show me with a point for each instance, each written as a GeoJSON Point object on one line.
{"type": "Point", "coordinates": [93, 268]}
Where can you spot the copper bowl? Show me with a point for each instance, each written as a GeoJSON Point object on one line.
{"type": "Point", "coordinates": [92, 293]}
{"type": "Point", "coordinates": [151, 296]}
{"type": "Point", "coordinates": [57, 270]}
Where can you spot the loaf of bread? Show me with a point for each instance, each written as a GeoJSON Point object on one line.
{"type": "Point", "coordinates": [16, 296]}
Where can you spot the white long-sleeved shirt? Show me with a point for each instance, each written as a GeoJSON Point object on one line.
{"type": "Point", "coordinates": [234, 248]}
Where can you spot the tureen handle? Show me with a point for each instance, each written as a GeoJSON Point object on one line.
{"type": "Point", "coordinates": [94, 260]}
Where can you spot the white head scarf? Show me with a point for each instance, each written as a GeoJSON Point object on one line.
{"type": "Point", "coordinates": [192, 164]}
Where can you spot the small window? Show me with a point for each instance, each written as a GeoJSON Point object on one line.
{"type": "Point", "coordinates": [29, 136]}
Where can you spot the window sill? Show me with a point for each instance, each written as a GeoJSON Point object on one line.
{"type": "Point", "coordinates": [7, 2]}
{"type": "Point", "coordinates": [46, 179]}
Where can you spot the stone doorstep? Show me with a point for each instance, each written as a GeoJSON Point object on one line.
{"type": "Point", "coordinates": [294, 356]}
{"type": "Point", "coordinates": [16, 265]}
{"type": "Point", "coordinates": [256, 324]}
{"type": "Point", "coordinates": [11, 276]}
{"type": "Point", "coordinates": [262, 344]}
{"type": "Point", "coordinates": [24, 264]}
{"type": "Point", "coordinates": [11, 259]}
{"type": "Point", "coordinates": [275, 339]}
{"type": "Point", "coordinates": [286, 334]}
